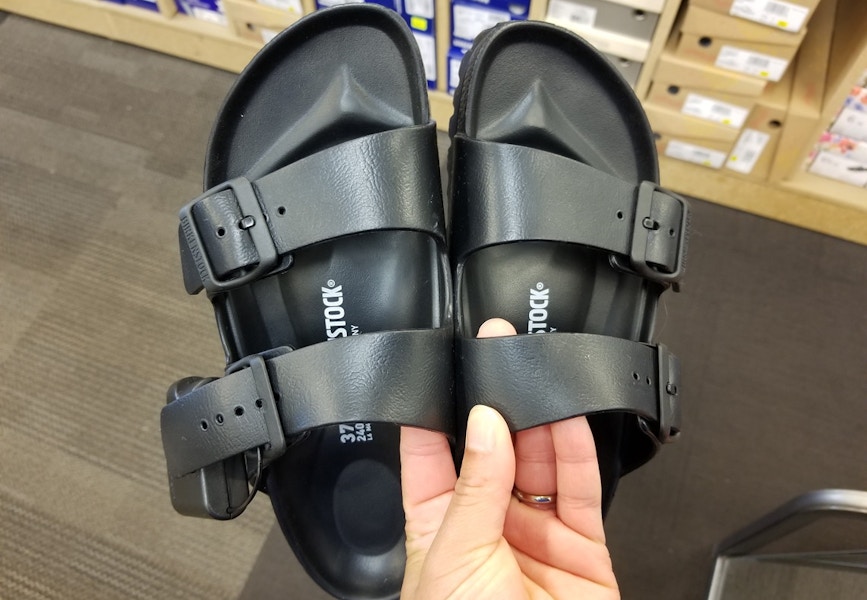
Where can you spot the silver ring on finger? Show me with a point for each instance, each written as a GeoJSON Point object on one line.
{"type": "Point", "coordinates": [544, 501]}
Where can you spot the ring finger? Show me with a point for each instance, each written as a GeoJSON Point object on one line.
{"type": "Point", "coordinates": [535, 461]}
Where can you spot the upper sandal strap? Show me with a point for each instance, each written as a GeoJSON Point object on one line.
{"type": "Point", "coordinates": [543, 196]}
{"type": "Point", "coordinates": [238, 231]}
{"type": "Point", "coordinates": [595, 374]}
{"type": "Point", "coordinates": [402, 377]}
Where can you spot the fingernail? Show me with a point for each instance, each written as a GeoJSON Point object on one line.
{"type": "Point", "coordinates": [481, 430]}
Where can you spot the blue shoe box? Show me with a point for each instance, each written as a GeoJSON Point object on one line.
{"type": "Point", "coordinates": [146, 4]}
{"type": "Point", "coordinates": [471, 17]}
{"type": "Point", "coordinates": [206, 10]}
{"type": "Point", "coordinates": [421, 18]}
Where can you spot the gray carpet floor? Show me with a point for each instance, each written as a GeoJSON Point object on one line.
{"type": "Point", "coordinates": [100, 143]}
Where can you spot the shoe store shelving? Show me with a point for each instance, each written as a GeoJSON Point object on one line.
{"type": "Point", "coordinates": [804, 199]}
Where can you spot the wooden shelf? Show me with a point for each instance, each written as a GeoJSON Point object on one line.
{"type": "Point", "coordinates": [178, 35]}
{"type": "Point", "coordinates": [806, 200]}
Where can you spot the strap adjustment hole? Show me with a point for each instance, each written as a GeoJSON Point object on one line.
{"type": "Point", "coordinates": [239, 411]}
{"type": "Point", "coordinates": [219, 419]}
{"type": "Point", "coordinates": [204, 425]}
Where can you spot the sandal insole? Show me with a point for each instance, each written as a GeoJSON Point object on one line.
{"type": "Point", "coordinates": [335, 76]}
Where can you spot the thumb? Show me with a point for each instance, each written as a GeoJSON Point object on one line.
{"type": "Point", "coordinates": [475, 517]}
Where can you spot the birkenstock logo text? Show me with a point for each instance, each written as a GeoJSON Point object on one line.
{"type": "Point", "coordinates": [538, 317]}
{"type": "Point", "coordinates": [193, 245]}
{"type": "Point", "coordinates": [335, 314]}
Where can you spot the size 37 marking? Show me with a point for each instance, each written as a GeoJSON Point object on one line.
{"type": "Point", "coordinates": [353, 433]}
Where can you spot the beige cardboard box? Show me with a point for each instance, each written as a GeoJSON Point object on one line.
{"type": "Point", "coordinates": [672, 122]}
{"type": "Point", "coordinates": [750, 156]}
{"type": "Point", "coordinates": [735, 44]}
{"type": "Point", "coordinates": [674, 69]}
{"type": "Point", "coordinates": [764, 61]}
{"type": "Point", "coordinates": [789, 15]}
{"type": "Point", "coordinates": [706, 22]}
{"type": "Point", "coordinates": [747, 152]}
{"type": "Point", "coordinates": [255, 21]}
{"type": "Point", "coordinates": [718, 107]}
{"type": "Point", "coordinates": [708, 153]}
{"type": "Point", "coordinates": [753, 153]}
{"type": "Point", "coordinates": [802, 123]}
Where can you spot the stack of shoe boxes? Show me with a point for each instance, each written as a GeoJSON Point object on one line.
{"type": "Point", "coordinates": [722, 88]}
{"type": "Point", "coordinates": [471, 17]}
{"type": "Point", "coordinates": [420, 15]}
{"type": "Point", "coordinates": [841, 152]}
{"type": "Point", "coordinates": [620, 29]}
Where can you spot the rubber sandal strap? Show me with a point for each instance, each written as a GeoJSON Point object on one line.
{"type": "Point", "coordinates": [238, 231]}
{"type": "Point", "coordinates": [595, 374]}
{"type": "Point", "coordinates": [401, 377]}
{"type": "Point", "coordinates": [537, 194]}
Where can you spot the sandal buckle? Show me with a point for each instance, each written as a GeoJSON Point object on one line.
{"type": "Point", "coordinates": [645, 223]}
{"type": "Point", "coordinates": [668, 381]}
{"type": "Point", "coordinates": [253, 221]}
{"type": "Point", "coordinates": [270, 411]}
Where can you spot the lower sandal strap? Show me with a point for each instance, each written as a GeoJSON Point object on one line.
{"type": "Point", "coordinates": [536, 379]}
{"type": "Point", "coordinates": [401, 377]}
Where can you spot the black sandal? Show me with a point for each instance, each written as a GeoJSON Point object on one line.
{"type": "Point", "coordinates": [320, 242]}
{"type": "Point", "coordinates": [559, 227]}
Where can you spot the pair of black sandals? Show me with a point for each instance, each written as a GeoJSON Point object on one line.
{"type": "Point", "coordinates": [345, 309]}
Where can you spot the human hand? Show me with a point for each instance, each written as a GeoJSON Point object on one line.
{"type": "Point", "coordinates": [469, 537]}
